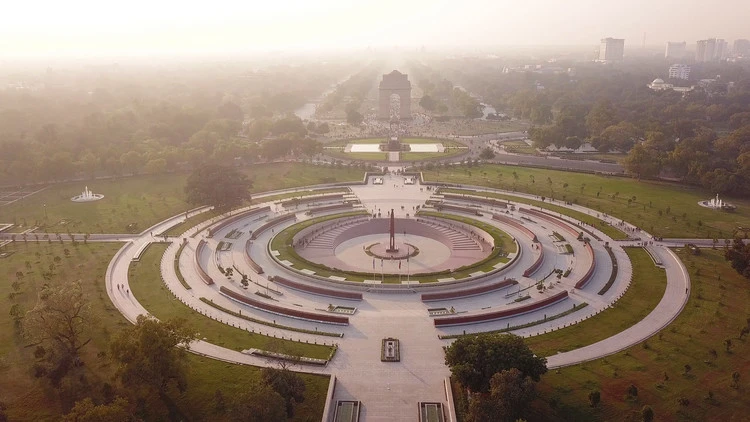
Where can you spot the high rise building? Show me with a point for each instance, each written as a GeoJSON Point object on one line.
{"type": "Point", "coordinates": [741, 47]}
{"type": "Point", "coordinates": [675, 50]}
{"type": "Point", "coordinates": [611, 49]}
{"type": "Point", "coordinates": [711, 49]}
{"type": "Point", "coordinates": [679, 71]}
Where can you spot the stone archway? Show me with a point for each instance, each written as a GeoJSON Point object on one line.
{"type": "Point", "coordinates": [395, 83]}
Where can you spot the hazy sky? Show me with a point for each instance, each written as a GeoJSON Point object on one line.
{"type": "Point", "coordinates": [133, 27]}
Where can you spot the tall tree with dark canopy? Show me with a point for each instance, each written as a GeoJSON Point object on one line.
{"type": "Point", "coordinates": [509, 397]}
{"type": "Point", "coordinates": [287, 384]}
{"type": "Point", "coordinates": [59, 323]}
{"type": "Point", "coordinates": [221, 186]}
{"type": "Point", "coordinates": [148, 355]}
{"type": "Point", "coordinates": [473, 360]}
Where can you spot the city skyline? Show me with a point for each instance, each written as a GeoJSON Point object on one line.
{"type": "Point", "coordinates": [90, 28]}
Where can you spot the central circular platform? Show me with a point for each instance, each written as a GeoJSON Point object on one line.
{"type": "Point", "coordinates": [402, 250]}
{"type": "Point", "coordinates": [423, 246]}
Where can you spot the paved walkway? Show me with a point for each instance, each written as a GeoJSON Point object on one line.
{"type": "Point", "coordinates": [390, 391]}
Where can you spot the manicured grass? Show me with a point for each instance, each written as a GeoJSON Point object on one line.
{"type": "Point", "coordinates": [681, 216]}
{"type": "Point", "coordinates": [645, 292]}
{"type": "Point", "coordinates": [591, 220]}
{"type": "Point", "coordinates": [716, 310]}
{"type": "Point", "coordinates": [146, 200]}
{"type": "Point", "coordinates": [28, 399]}
{"type": "Point", "coordinates": [147, 286]}
{"type": "Point", "coordinates": [209, 375]}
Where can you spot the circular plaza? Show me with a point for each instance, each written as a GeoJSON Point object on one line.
{"type": "Point", "coordinates": [351, 265]}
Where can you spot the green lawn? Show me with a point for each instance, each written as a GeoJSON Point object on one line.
{"type": "Point", "coordinates": [645, 292]}
{"type": "Point", "coordinates": [604, 227]}
{"type": "Point", "coordinates": [681, 216]}
{"type": "Point", "coordinates": [147, 286]}
{"type": "Point", "coordinates": [717, 309]}
{"type": "Point", "coordinates": [146, 200]}
{"type": "Point", "coordinates": [29, 399]}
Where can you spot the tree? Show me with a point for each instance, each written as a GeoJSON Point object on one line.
{"type": "Point", "coordinates": [152, 353]}
{"type": "Point", "coordinates": [642, 162]}
{"type": "Point", "coordinates": [220, 186]}
{"type": "Point", "coordinates": [473, 360]}
{"type": "Point", "coordinates": [354, 117]}
{"type": "Point", "coordinates": [86, 411]}
{"type": "Point", "coordinates": [259, 403]}
{"type": "Point", "coordinates": [287, 384]}
{"type": "Point", "coordinates": [428, 103]}
{"type": "Point", "coordinates": [487, 154]}
{"type": "Point", "coordinates": [647, 414]}
{"type": "Point", "coordinates": [595, 397]}
{"type": "Point", "coordinates": [59, 321]}
{"type": "Point", "coordinates": [511, 392]}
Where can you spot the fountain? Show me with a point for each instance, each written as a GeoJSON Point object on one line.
{"type": "Point", "coordinates": [717, 204]}
{"type": "Point", "coordinates": [87, 196]}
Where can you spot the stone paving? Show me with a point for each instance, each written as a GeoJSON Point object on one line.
{"type": "Point", "coordinates": [390, 391]}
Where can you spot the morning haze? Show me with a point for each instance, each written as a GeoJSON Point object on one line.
{"type": "Point", "coordinates": [89, 27]}
{"type": "Point", "coordinates": [344, 211]}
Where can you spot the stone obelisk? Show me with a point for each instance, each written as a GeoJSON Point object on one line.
{"type": "Point", "coordinates": [392, 243]}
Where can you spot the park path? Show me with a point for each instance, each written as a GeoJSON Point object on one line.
{"type": "Point", "coordinates": [388, 391]}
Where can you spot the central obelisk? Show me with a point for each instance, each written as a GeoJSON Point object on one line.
{"type": "Point", "coordinates": [392, 243]}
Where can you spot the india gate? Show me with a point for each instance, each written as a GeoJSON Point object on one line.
{"type": "Point", "coordinates": [395, 83]}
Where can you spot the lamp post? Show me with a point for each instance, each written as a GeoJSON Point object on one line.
{"type": "Point", "coordinates": [45, 211]}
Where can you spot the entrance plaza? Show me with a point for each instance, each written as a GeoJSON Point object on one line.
{"type": "Point", "coordinates": [391, 303]}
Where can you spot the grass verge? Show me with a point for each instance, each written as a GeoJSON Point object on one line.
{"type": "Point", "coordinates": [146, 285]}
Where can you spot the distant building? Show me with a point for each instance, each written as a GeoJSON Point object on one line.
{"type": "Point", "coordinates": [710, 50]}
{"type": "Point", "coordinates": [675, 50]}
{"type": "Point", "coordinates": [659, 85]}
{"type": "Point", "coordinates": [741, 48]}
{"type": "Point", "coordinates": [679, 71]}
{"type": "Point", "coordinates": [611, 49]}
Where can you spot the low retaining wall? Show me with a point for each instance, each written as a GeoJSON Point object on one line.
{"type": "Point", "coordinates": [491, 316]}
{"type": "Point", "coordinates": [229, 220]}
{"type": "Point", "coordinates": [456, 294]}
{"type": "Point", "coordinates": [270, 224]}
{"type": "Point", "coordinates": [513, 223]}
{"type": "Point", "coordinates": [334, 207]}
{"type": "Point", "coordinates": [255, 267]}
{"type": "Point", "coordinates": [587, 277]}
{"type": "Point", "coordinates": [307, 199]}
{"type": "Point", "coordinates": [280, 310]}
{"type": "Point", "coordinates": [538, 263]}
{"type": "Point", "coordinates": [201, 272]}
{"type": "Point", "coordinates": [469, 198]}
{"type": "Point", "coordinates": [320, 291]}
{"type": "Point", "coordinates": [554, 220]}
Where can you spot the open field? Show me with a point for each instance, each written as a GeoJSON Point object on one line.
{"type": "Point", "coordinates": [147, 286]}
{"type": "Point", "coordinates": [146, 200]}
{"type": "Point", "coordinates": [663, 209]}
{"type": "Point", "coordinates": [716, 311]}
{"type": "Point", "coordinates": [645, 292]}
{"type": "Point", "coordinates": [31, 399]}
